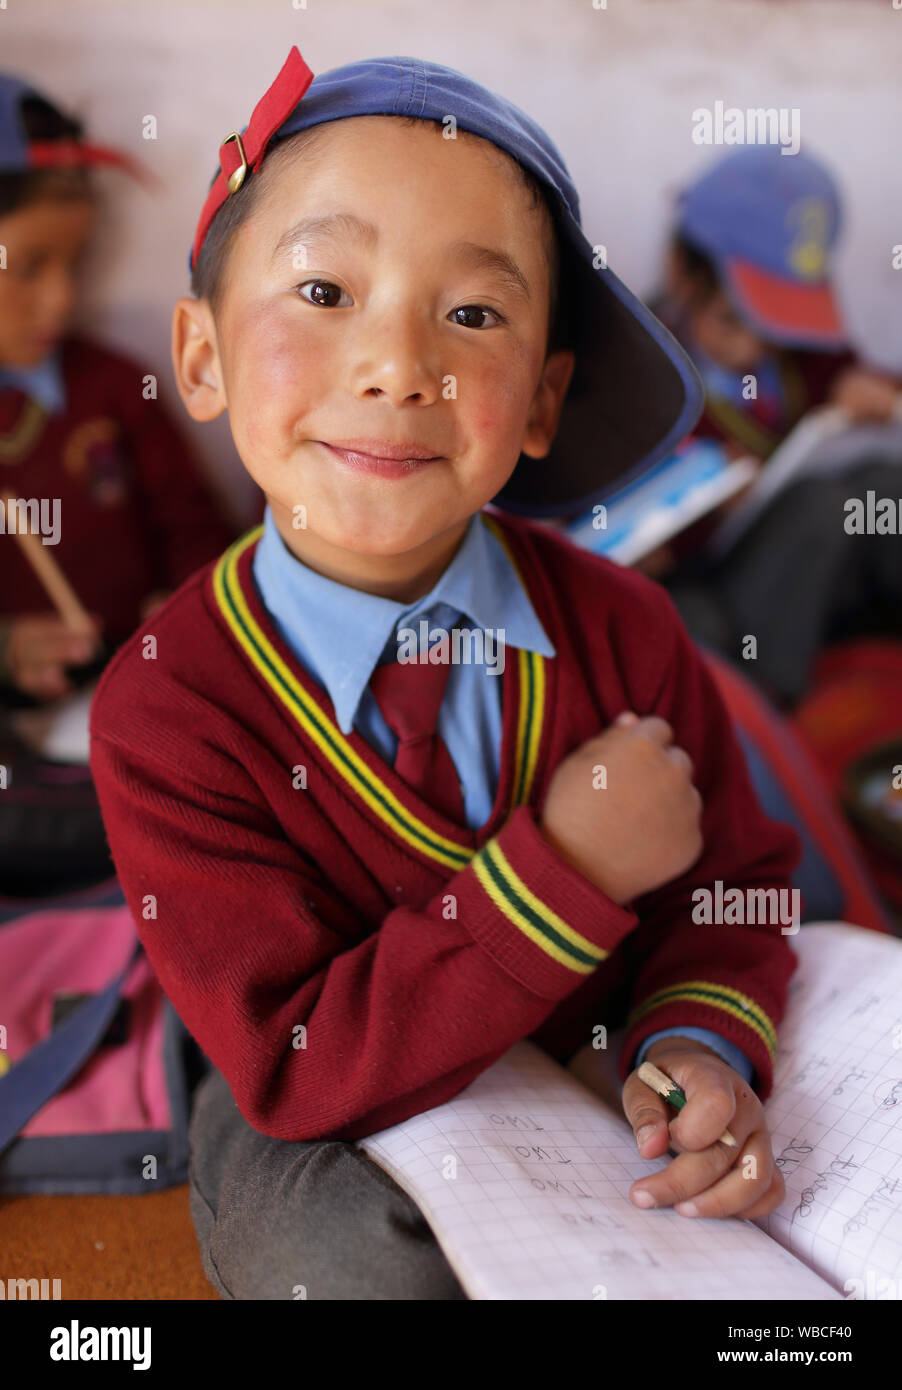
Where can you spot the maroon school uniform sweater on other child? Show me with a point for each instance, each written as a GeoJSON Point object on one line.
{"type": "Point", "coordinates": [415, 951]}
{"type": "Point", "coordinates": [135, 512]}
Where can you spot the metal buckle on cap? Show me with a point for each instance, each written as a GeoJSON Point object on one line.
{"type": "Point", "coordinates": [236, 178]}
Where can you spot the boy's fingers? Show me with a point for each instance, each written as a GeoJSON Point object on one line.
{"type": "Point", "coordinates": [768, 1200]}
{"type": "Point", "coordinates": [71, 647]}
{"type": "Point", "coordinates": [81, 648]}
{"type": "Point", "coordinates": [682, 1180]}
{"type": "Point", "coordinates": [59, 648]}
{"type": "Point", "coordinates": [44, 681]}
{"type": "Point", "coordinates": [682, 759]}
{"type": "Point", "coordinates": [38, 664]}
{"type": "Point", "coordinates": [751, 1186]}
{"type": "Point", "coordinates": [88, 640]}
{"type": "Point", "coordinates": [711, 1106]}
{"type": "Point", "coordinates": [658, 730]}
{"type": "Point", "coordinates": [652, 727]}
{"type": "Point", "coordinates": [648, 1115]}
{"type": "Point", "coordinates": [54, 635]}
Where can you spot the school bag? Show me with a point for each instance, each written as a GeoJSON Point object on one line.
{"type": "Point", "coordinates": [96, 1068]}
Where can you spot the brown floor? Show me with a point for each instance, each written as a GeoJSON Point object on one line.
{"type": "Point", "coordinates": [105, 1247]}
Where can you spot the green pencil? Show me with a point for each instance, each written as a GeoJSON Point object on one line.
{"type": "Point", "coordinates": [671, 1092]}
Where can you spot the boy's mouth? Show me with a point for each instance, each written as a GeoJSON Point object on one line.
{"type": "Point", "coordinates": [380, 456]}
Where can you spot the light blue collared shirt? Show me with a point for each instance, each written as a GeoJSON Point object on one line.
{"type": "Point", "coordinates": [730, 386]}
{"type": "Point", "coordinates": [339, 635]}
{"type": "Point", "coordinates": [44, 383]}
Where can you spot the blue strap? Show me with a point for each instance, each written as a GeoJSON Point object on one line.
{"type": "Point", "coordinates": [46, 1069]}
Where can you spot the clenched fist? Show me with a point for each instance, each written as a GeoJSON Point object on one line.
{"type": "Point", "coordinates": [642, 827]}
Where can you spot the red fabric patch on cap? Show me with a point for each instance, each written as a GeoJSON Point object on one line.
{"type": "Point", "coordinates": [271, 111]}
{"type": "Point", "coordinates": [786, 305]}
{"type": "Point", "coordinates": [62, 154]}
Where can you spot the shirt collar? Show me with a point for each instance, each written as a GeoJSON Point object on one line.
{"type": "Point", "coordinates": [728, 384]}
{"type": "Point", "coordinates": [309, 609]}
{"type": "Point", "coordinates": [44, 383]}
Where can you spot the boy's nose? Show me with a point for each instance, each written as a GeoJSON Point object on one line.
{"type": "Point", "coordinates": [399, 361]}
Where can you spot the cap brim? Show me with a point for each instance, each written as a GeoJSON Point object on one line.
{"type": "Point", "coordinates": [633, 396]}
{"type": "Point", "coordinates": [789, 313]}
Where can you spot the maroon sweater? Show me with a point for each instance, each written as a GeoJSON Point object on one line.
{"type": "Point", "coordinates": [344, 954]}
{"type": "Point", "coordinates": [135, 512]}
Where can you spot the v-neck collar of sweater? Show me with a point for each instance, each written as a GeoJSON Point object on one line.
{"type": "Point", "coordinates": [528, 684]}
{"type": "Point", "coordinates": [478, 589]}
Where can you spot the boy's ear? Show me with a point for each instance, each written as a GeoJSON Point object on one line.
{"type": "Point", "coordinates": [195, 359]}
{"type": "Point", "coordinates": [547, 403]}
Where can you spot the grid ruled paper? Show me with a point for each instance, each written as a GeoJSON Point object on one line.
{"type": "Point", "coordinates": [524, 1176]}
{"type": "Point", "coordinates": [835, 1115]}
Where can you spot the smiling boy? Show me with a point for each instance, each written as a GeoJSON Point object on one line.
{"type": "Point", "coordinates": [359, 881]}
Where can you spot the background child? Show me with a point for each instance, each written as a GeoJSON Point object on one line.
{"type": "Point", "coordinates": [749, 293]}
{"type": "Point", "coordinates": [359, 879]}
{"type": "Point", "coordinates": [76, 423]}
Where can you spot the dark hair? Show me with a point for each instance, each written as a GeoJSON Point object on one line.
{"type": "Point", "coordinates": [44, 122]}
{"type": "Point", "coordinates": [696, 265]}
{"type": "Point", "coordinates": [208, 276]}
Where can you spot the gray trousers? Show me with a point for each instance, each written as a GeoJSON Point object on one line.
{"type": "Point", "coordinates": [279, 1219]}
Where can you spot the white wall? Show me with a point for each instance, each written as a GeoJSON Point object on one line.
{"type": "Point", "coordinates": [614, 87]}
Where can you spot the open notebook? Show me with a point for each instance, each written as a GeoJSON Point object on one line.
{"type": "Point", "coordinates": [538, 1208]}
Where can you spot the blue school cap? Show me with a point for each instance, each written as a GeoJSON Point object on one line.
{"type": "Point", "coordinates": [769, 222]}
{"type": "Point", "coordinates": [634, 393]}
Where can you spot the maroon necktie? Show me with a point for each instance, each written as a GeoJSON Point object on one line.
{"type": "Point", "coordinates": [409, 695]}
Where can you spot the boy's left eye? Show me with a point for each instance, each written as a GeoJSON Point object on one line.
{"type": "Point", "coordinates": [476, 309]}
{"type": "Point", "coordinates": [325, 292]}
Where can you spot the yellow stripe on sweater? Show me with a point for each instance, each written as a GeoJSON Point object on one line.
{"type": "Point", "coordinates": [531, 916]}
{"type": "Point", "coordinates": [718, 996]}
{"type": "Point", "coordinates": [319, 728]}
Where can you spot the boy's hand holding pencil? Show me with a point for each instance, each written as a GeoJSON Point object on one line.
{"type": "Point", "coordinates": [725, 1164]}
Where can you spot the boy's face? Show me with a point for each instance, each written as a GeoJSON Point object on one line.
{"type": "Point", "coordinates": [721, 334]}
{"type": "Point", "coordinates": [418, 339]}
{"type": "Point", "coordinates": [44, 242]}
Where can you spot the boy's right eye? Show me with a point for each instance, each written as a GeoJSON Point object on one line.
{"type": "Point", "coordinates": [322, 293]}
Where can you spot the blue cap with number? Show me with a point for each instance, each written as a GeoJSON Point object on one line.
{"type": "Point", "coordinates": [769, 221]}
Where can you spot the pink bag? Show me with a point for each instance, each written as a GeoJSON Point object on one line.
{"type": "Point", "coordinates": [95, 1065]}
